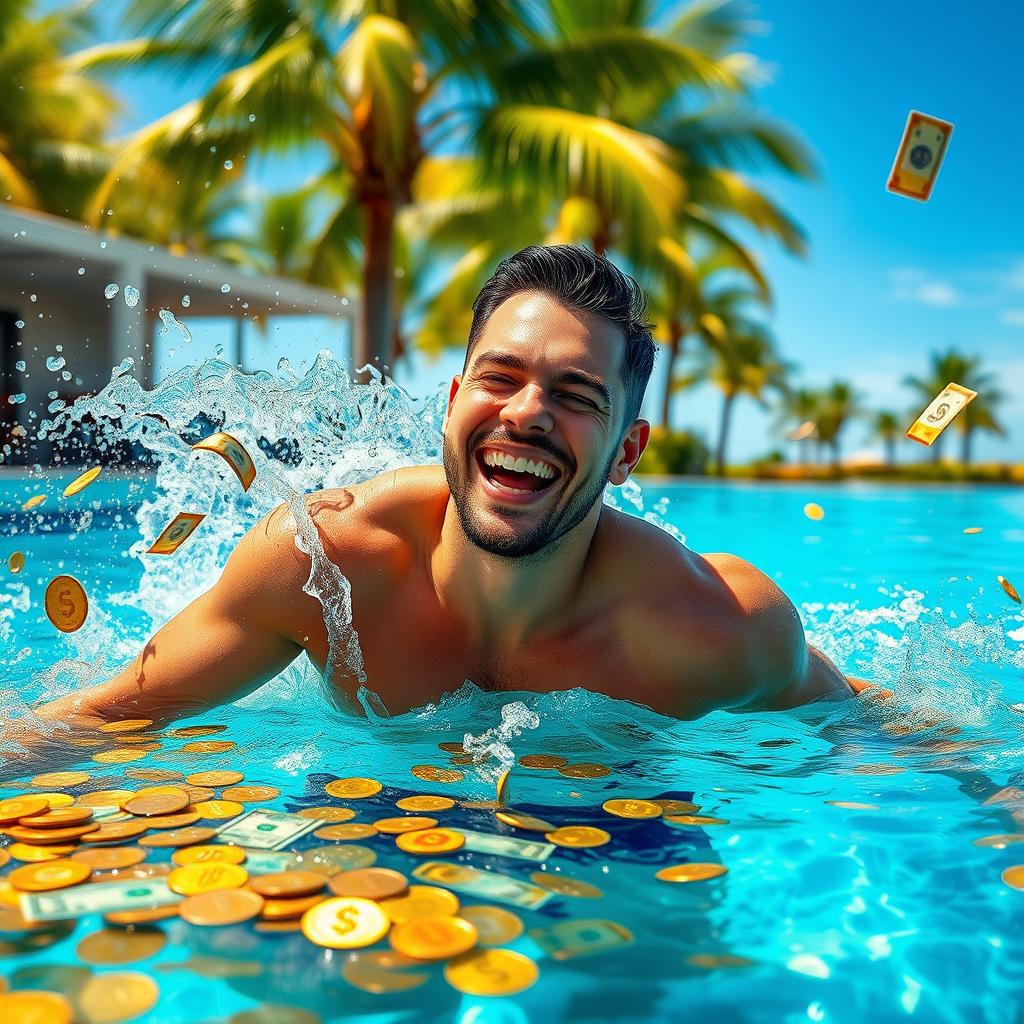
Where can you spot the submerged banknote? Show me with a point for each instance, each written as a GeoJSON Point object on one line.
{"type": "Point", "coordinates": [506, 846]}
{"type": "Point", "coordinates": [919, 157]}
{"type": "Point", "coordinates": [484, 884]}
{"type": "Point", "coordinates": [940, 413]}
{"type": "Point", "coordinates": [269, 862]}
{"type": "Point", "coordinates": [180, 528]}
{"type": "Point", "coordinates": [569, 939]}
{"type": "Point", "coordinates": [234, 454]}
{"type": "Point", "coordinates": [79, 900]}
{"type": "Point", "coordinates": [266, 830]}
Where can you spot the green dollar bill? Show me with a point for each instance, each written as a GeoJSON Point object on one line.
{"type": "Point", "coordinates": [80, 900]}
{"type": "Point", "coordinates": [266, 830]}
{"type": "Point", "coordinates": [506, 846]}
{"type": "Point", "coordinates": [485, 884]}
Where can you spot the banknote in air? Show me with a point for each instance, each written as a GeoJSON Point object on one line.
{"type": "Point", "coordinates": [944, 407]}
{"type": "Point", "coordinates": [920, 156]}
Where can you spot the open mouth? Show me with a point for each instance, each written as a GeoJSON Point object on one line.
{"type": "Point", "coordinates": [509, 484]}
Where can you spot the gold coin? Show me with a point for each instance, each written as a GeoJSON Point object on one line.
{"type": "Point", "coordinates": [491, 972]}
{"type": "Point", "coordinates": [420, 901]}
{"type": "Point", "coordinates": [433, 938]}
{"type": "Point", "coordinates": [45, 836]}
{"type": "Point", "coordinates": [370, 883]}
{"type": "Point", "coordinates": [290, 908]}
{"type": "Point", "coordinates": [345, 922]}
{"type": "Point", "coordinates": [713, 961]}
{"type": "Point", "coordinates": [463, 759]}
{"type": "Point", "coordinates": [219, 854]}
{"type": "Point", "coordinates": [584, 771]}
{"type": "Point", "coordinates": [542, 761]}
{"type": "Point", "coordinates": [566, 886]}
{"type": "Point", "coordinates": [191, 879]}
{"type": "Point", "coordinates": [329, 860]}
{"type": "Point", "coordinates": [57, 874]}
{"type": "Point", "coordinates": [108, 998]}
{"type": "Point", "coordinates": [61, 779]}
{"type": "Point", "coordinates": [378, 971]}
{"type": "Point", "coordinates": [38, 854]}
{"type": "Point", "coordinates": [397, 826]}
{"type": "Point", "coordinates": [152, 774]}
{"type": "Point", "coordinates": [353, 789]}
{"type": "Point", "coordinates": [431, 773]}
{"type": "Point", "coordinates": [327, 813]}
{"type": "Point", "coordinates": [182, 820]}
{"type": "Point", "coordinates": [1012, 876]}
{"type": "Point", "coordinates": [690, 872]}
{"type": "Point", "coordinates": [110, 858]}
{"type": "Point", "coordinates": [578, 836]}
{"type": "Point", "coordinates": [343, 833]}
{"type": "Point", "coordinates": [524, 821]}
{"type": "Point", "coordinates": [35, 1008]}
{"type": "Point", "coordinates": [65, 603]}
{"type": "Point", "coordinates": [218, 809]}
{"type": "Point", "coordinates": [112, 830]}
{"type": "Point", "coordinates": [999, 842]}
{"type": "Point", "coordinates": [431, 840]}
{"type": "Point", "coordinates": [16, 562]}
{"type": "Point", "coordinates": [502, 787]}
{"type": "Point", "coordinates": [119, 756]}
{"type": "Point", "coordinates": [221, 907]}
{"type": "Point", "coordinates": [494, 926]}
{"type": "Point", "coordinates": [145, 916]}
{"type": "Point", "coordinates": [248, 794]}
{"type": "Point", "coordinates": [973, 529]}
{"type": "Point", "coordinates": [693, 819]}
{"type": "Point", "coordinates": [632, 808]}
{"type": "Point", "coordinates": [425, 803]}
{"type": "Point", "coordinates": [814, 511]}
{"type": "Point", "coordinates": [196, 794]}
{"type": "Point", "coordinates": [105, 798]}
{"type": "Point", "coordinates": [126, 725]}
{"type": "Point", "coordinates": [155, 805]}
{"type": "Point", "coordinates": [852, 805]}
{"type": "Point", "coordinates": [117, 946]}
{"type": "Point", "coordinates": [209, 746]}
{"type": "Point", "coordinates": [18, 807]}
{"type": "Point", "coordinates": [215, 778]}
{"type": "Point", "coordinates": [81, 482]}
{"type": "Point", "coordinates": [4, 857]}
{"type": "Point", "coordinates": [57, 817]}
{"type": "Point", "coordinates": [1009, 588]}
{"type": "Point", "coordinates": [57, 799]}
{"type": "Point", "coordinates": [34, 502]}
{"type": "Point", "coordinates": [196, 730]}
{"type": "Point", "coordinates": [288, 884]}
{"type": "Point", "coordinates": [179, 837]}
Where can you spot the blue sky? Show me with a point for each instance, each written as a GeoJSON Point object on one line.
{"type": "Point", "coordinates": [887, 280]}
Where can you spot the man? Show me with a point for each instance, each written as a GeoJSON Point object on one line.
{"type": "Point", "coordinates": [503, 565]}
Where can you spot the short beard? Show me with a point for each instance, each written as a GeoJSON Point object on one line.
{"type": "Point", "coordinates": [506, 543]}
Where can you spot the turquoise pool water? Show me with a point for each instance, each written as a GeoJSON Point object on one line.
{"type": "Point", "coordinates": [885, 910]}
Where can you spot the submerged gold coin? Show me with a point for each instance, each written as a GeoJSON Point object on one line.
{"type": "Point", "coordinates": [179, 837]}
{"type": "Point", "coordinates": [431, 840]}
{"type": "Point", "coordinates": [693, 819]}
{"type": "Point", "coordinates": [152, 774]}
{"type": "Point", "coordinates": [690, 872]}
{"type": "Point", "coordinates": [153, 805]}
{"type": "Point", "coordinates": [16, 562]}
{"type": "Point", "coordinates": [116, 997]}
{"type": "Point", "coordinates": [814, 511]}
{"type": "Point", "coordinates": [110, 858]}
{"type": "Point", "coordinates": [57, 874]}
{"type": "Point", "coordinates": [1000, 842]}
{"type": "Point", "coordinates": [208, 746]}
{"type": "Point", "coordinates": [397, 826]}
{"type": "Point", "coordinates": [126, 725]}
{"type": "Point", "coordinates": [491, 972]}
{"type": "Point", "coordinates": [105, 798]}
{"type": "Point", "coordinates": [119, 756]}
{"type": "Point", "coordinates": [494, 926]}
{"type": "Point", "coordinates": [118, 946]}
{"type": "Point", "coordinates": [370, 883]}
{"type": "Point", "coordinates": [345, 922]}
{"type": "Point", "coordinates": [501, 789]}
{"type": "Point", "coordinates": [220, 854]}
{"type": "Point", "coordinates": [379, 971]}
{"type": "Point", "coordinates": [420, 901]}
{"type": "Point", "coordinates": [60, 780]}
{"type": "Point", "coordinates": [65, 603]}
{"type": "Point", "coordinates": [973, 529]}
{"type": "Point", "coordinates": [433, 938]}
{"type": "Point", "coordinates": [345, 832]}
{"type": "Point", "coordinates": [57, 817]}
{"type": "Point", "coordinates": [196, 730]}
{"type": "Point", "coordinates": [566, 886]}
{"type": "Point", "coordinates": [34, 502]}
{"type": "Point", "coordinates": [432, 773]}
{"type": "Point", "coordinates": [17, 807]}
{"type": "Point", "coordinates": [584, 771]}
{"type": "Point", "coordinates": [81, 482]}
{"type": "Point", "coordinates": [542, 761]}
{"type": "Point", "coordinates": [676, 806]}
{"type": "Point", "coordinates": [524, 821]}
{"type": "Point", "coordinates": [1009, 588]}
{"type": "Point", "coordinates": [327, 813]}
{"type": "Point", "coordinates": [29, 854]}
{"type": "Point", "coordinates": [218, 809]}
{"type": "Point", "coordinates": [57, 799]}
{"type": "Point", "coordinates": [288, 908]}
{"type": "Point", "coordinates": [216, 779]}
{"type": "Point", "coordinates": [286, 884]}
{"type": "Point", "coordinates": [249, 794]}
{"type": "Point", "coordinates": [713, 961]}
{"type": "Point", "coordinates": [221, 907]}
{"type": "Point", "coordinates": [329, 860]}
{"type": "Point", "coordinates": [578, 836]}
{"type": "Point", "coordinates": [35, 1008]}
{"type": "Point", "coordinates": [353, 788]}
{"type": "Point", "coordinates": [632, 808]}
{"type": "Point", "coordinates": [425, 803]}
{"type": "Point", "coordinates": [191, 879]}
{"type": "Point", "coordinates": [1012, 876]}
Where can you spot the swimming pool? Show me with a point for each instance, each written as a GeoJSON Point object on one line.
{"type": "Point", "coordinates": [860, 881]}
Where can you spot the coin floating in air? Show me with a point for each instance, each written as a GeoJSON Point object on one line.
{"type": "Point", "coordinates": [1009, 588]}
{"type": "Point", "coordinates": [65, 603]}
{"type": "Point", "coordinates": [16, 561]}
{"type": "Point", "coordinates": [83, 481]}
{"type": "Point", "coordinates": [175, 533]}
{"type": "Point", "coordinates": [233, 452]}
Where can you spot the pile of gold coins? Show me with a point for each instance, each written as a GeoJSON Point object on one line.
{"type": "Point", "coordinates": [204, 849]}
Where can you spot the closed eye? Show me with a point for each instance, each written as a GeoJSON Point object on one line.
{"type": "Point", "coordinates": [498, 379]}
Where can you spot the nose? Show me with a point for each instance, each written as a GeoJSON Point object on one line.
{"type": "Point", "coordinates": [527, 412]}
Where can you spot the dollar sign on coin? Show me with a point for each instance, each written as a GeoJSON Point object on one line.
{"type": "Point", "coordinates": [65, 603]}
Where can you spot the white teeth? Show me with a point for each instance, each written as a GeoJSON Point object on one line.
{"type": "Point", "coordinates": [520, 465]}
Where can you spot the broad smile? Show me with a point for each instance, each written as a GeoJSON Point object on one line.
{"type": "Point", "coordinates": [503, 492]}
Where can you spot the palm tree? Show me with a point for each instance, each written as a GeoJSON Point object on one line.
{"type": "Point", "coordinates": [964, 370]}
{"type": "Point", "coordinates": [53, 120]}
{"type": "Point", "coordinates": [839, 404]}
{"type": "Point", "coordinates": [888, 427]}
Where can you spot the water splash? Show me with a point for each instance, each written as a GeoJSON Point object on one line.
{"type": "Point", "coordinates": [170, 320]}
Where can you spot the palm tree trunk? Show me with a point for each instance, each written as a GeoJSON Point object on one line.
{"type": "Point", "coordinates": [374, 330]}
{"type": "Point", "coordinates": [675, 337]}
{"type": "Point", "coordinates": [890, 451]}
{"type": "Point", "coordinates": [723, 433]}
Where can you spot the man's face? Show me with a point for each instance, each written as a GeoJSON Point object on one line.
{"type": "Point", "coordinates": [519, 392]}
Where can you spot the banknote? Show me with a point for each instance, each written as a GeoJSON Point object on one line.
{"type": "Point", "coordinates": [486, 885]}
{"type": "Point", "coordinates": [919, 157]}
{"type": "Point", "coordinates": [506, 846]}
{"type": "Point", "coordinates": [180, 528]}
{"type": "Point", "coordinates": [269, 862]}
{"type": "Point", "coordinates": [570, 939]}
{"type": "Point", "coordinates": [234, 454]}
{"type": "Point", "coordinates": [934, 420]}
{"type": "Point", "coordinates": [266, 830]}
{"type": "Point", "coordinates": [79, 900]}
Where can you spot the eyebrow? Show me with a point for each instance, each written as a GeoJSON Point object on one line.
{"type": "Point", "coordinates": [514, 362]}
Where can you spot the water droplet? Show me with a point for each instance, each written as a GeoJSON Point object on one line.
{"type": "Point", "coordinates": [131, 296]}
{"type": "Point", "coordinates": [19, 324]}
{"type": "Point", "coordinates": [225, 288]}
{"type": "Point", "coordinates": [283, 365]}
{"type": "Point", "coordinates": [186, 301]}
{"type": "Point", "coordinates": [65, 375]}
{"type": "Point", "coordinates": [51, 394]}
{"type": "Point", "coordinates": [252, 118]}
{"type": "Point", "coordinates": [218, 350]}
{"type": "Point", "coordinates": [60, 348]}
{"type": "Point", "coordinates": [171, 321]}
{"type": "Point", "coordinates": [16, 399]}
{"type": "Point", "coordinates": [55, 363]}
{"type": "Point", "coordinates": [33, 296]}
{"type": "Point", "coordinates": [103, 245]}
{"type": "Point", "coordinates": [81, 271]}
{"type": "Point", "coordinates": [126, 364]}
{"type": "Point", "coordinates": [20, 365]}
{"type": "Point", "coordinates": [110, 291]}
{"type": "Point", "coordinates": [228, 164]}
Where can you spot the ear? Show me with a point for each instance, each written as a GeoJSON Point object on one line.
{"type": "Point", "coordinates": [630, 450]}
{"type": "Point", "coordinates": [456, 381]}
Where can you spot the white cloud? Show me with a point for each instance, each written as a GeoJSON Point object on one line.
{"type": "Point", "coordinates": [1013, 317]}
{"type": "Point", "coordinates": [928, 293]}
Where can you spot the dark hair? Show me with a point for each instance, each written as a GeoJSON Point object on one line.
{"type": "Point", "coordinates": [581, 280]}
